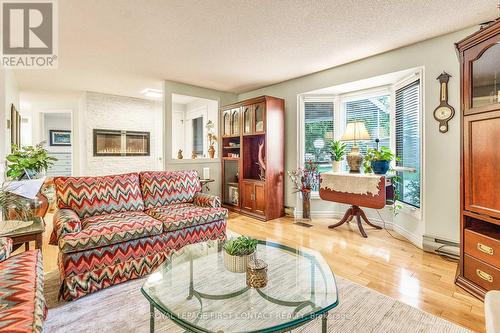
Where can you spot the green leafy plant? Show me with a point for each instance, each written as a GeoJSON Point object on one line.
{"type": "Point", "coordinates": [382, 154]}
{"type": "Point", "coordinates": [28, 161]}
{"type": "Point", "coordinates": [12, 203]}
{"type": "Point", "coordinates": [337, 151]}
{"type": "Point", "coordinates": [240, 246]}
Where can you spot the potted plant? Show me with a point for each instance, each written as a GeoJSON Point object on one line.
{"type": "Point", "coordinates": [304, 181]}
{"type": "Point", "coordinates": [378, 160]}
{"type": "Point", "coordinates": [337, 152]}
{"type": "Point", "coordinates": [212, 138]}
{"type": "Point", "coordinates": [238, 252]}
{"type": "Point", "coordinates": [28, 162]}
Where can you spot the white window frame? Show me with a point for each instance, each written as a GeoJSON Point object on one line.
{"type": "Point", "coordinates": [418, 75]}
{"type": "Point", "coordinates": [339, 125]}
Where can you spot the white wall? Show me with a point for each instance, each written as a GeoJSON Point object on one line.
{"type": "Point", "coordinates": [9, 94]}
{"type": "Point", "coordinates": [441, 158]}
{"type": "Point", "coordinates": [102, 111]}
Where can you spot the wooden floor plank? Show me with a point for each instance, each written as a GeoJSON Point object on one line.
{"type": "Point", "coordinates": [390, 266]}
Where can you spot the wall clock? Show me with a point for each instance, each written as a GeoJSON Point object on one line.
{"type": "Point", "coordinates": [444, 112]}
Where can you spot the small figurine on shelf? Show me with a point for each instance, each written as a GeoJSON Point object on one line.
{"type": "Point", "coordinates": [179, 154]}
{"type": "Point", "coordinates": [194, 155]}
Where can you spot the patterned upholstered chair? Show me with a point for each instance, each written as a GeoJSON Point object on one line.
{"type": "Point", "coordinates": [115, 228]}
{"type": "Point", "coordinates": [22, 305]}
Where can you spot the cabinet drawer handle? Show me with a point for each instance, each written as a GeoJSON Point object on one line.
{"type": "Point", "coordinates": [483, 275]}
{"type": "Point", "coordinates": [485, 249]}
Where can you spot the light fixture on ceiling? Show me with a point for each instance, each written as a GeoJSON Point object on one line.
{"type": "Point", "coordinates": [152, 93]}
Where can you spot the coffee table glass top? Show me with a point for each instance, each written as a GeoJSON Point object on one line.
{"type": "Point", "coordinates": [195, 290]}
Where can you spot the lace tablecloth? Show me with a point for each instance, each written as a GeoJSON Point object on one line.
{"type": "Point", "coordinates": [355, 183]}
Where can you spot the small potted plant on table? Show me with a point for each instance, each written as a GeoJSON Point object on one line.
{"type": "Point", "coordinates": [337, 152]}
{"type": "Point", "coordinates": [378, 161]}
{"type": "Point", "coordinates": [28, 162]}
{"type": "Point", "coordinates": [238, 252]}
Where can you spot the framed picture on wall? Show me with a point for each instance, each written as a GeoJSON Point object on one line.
{"type": "Point", "coordinates": [15, 126]}
{"type": "Point", "coordinates": [60, 138]}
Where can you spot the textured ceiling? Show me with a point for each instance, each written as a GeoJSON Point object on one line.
{"type": "Point", "coordinates": [124, 46]}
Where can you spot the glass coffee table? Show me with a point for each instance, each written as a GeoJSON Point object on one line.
{"type": "Point", "coordinates": [194, 290]}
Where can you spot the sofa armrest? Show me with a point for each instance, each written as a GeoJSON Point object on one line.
{"type": "Point", "coordinates": [206, 200]}
{"type": "Point", "coordinates": [5, 248]}
{"type": "Point", "coordinates": [65, 222]}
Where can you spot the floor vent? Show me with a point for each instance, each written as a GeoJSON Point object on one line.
{"type": "Point", "coordinates": [302, 224]}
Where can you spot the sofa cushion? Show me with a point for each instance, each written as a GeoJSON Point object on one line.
{"type": "Point", "coordinates": [90, 196]}
{"type": "Point", "coordinates": [22, 304]}
{"type": "Point", "coordinates": [102, 230]}
{"type": "Point", "coordinates": [180, 217]}
{"type": "Point", "coordinates": [161, 188]}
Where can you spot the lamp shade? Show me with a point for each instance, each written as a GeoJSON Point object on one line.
{"type": "Point", "coordinates": [355, 131]}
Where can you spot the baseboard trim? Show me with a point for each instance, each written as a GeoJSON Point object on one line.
{"type": "Point", "coordinates": [413, 238]}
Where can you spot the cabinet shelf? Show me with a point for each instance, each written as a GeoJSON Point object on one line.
{"type": "Point", "coordinates": [232, 147]}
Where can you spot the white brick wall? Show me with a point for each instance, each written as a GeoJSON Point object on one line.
{"type": "Point", "coordinates": [121, 113]}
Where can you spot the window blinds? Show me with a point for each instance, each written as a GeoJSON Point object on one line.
{"type": "Point", "coordinates": [408, 142]}
{"type": "Point", "coordinates": [375, 113]}
{"type": "Point", "coordinates": [318, 121]}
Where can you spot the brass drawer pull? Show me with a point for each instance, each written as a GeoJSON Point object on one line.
{"type": "Point", "coordinates": [485, 249]}
{"type": "Point", "coordinates": [483, 275]}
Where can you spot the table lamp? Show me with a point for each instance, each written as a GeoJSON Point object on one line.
{"type": "Point", "coordinates": [355, 131]}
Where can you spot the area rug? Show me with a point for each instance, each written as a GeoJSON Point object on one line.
{"type": "Point", "coordinates": [124, 309]}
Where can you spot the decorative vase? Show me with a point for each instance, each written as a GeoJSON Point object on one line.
{"type": "Point", "coordinates": [336, 166]}
{"type": "Point", "coordinates": [211, 151]}
{"type": "Point", "coordinates": [380, 167]}
{"type": "Point", "coordinates": [237, 264]}
{"type": "Point", "coordinates": [306, 204]}
{"type": "Point", "coordinates": [354, 159]}
{"type": "Point", "coordinates": [257, 274]}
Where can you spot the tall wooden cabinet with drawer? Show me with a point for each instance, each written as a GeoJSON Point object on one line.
{"type": "Point", "coordinates": [479, 267]}
{"type": "Point", "coordinates": [253, 135]}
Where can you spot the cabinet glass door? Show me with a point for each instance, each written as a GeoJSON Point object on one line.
{"type": "Point", "coordinates": [247, 119]}
{"type": "Point", "coordinates": [259, 118]}
{"type": "Point", "coordinates": [226, 119]}
{"type": "Point", "coordinates": [235, 122]}
{"type": "Point", "coordinates": [486, 78]}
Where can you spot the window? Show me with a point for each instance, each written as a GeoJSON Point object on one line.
{"type": "Point", "coordinates": [318, 132]}
{"type": "Point", "coordinates": [408, 142]}
{"type": "Point", "coordinates": [375, 113]}
{"type": "Point", "coordinates": [198, 136]}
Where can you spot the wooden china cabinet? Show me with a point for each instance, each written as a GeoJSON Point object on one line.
{"type": "Point", "coordinates": [479, 267]}
{"type": "Point", "coordinates": [253, 157]}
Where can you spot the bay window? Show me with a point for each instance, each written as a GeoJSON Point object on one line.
{"type": "Point", "coordinates": [391, 115]}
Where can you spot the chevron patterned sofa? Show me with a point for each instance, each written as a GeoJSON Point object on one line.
{"type": "Point", "coordinates": [22, 305]}
{"type": "Point", "coordinates": [115, 228]}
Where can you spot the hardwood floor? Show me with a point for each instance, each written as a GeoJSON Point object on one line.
{"type": "Point", "coordinates": [393, 267]}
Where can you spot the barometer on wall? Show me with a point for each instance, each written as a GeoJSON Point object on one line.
{"type": "Point", "coordinates": [444, 112]}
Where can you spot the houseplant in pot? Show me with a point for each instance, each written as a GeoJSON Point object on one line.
{"type": "Point", "coordinates": [337, 153]}
{"type": "Point", "coordinates": [378, 161]}
{"type": "Point", "coordinates": [238, 252]}
{"type": "Point", "coordinates": [305, 181]}
{"type": "Point", "coordinates": [28, 162]}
